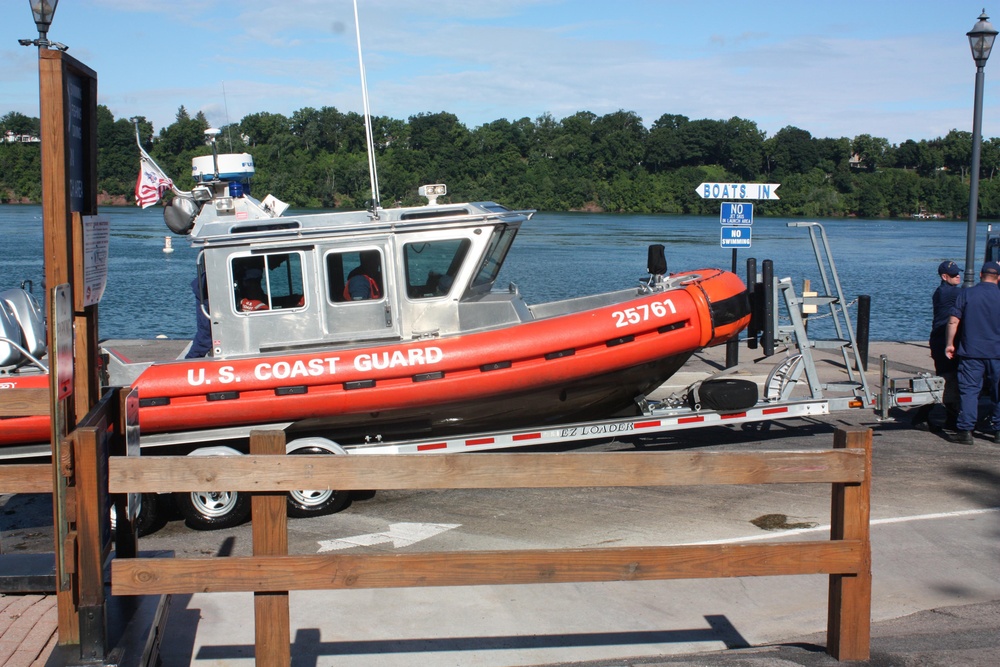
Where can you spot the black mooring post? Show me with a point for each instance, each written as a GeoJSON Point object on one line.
{"type": "Point", "coordinates": [864, 320]}
{"type": "Point", "coordinates": [767, 341]}
{"type": "Point", "coordinates": [733, 345]}
{"type": "Point", "coordinates": [753, 329]}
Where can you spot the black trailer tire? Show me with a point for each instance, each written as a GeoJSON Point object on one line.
{"type": "Point", "coordinates": [212, 510]}
{"type": "Point", "coordinates": [307, 503]}
{"type": "Point", "coordinates": [148, 519]}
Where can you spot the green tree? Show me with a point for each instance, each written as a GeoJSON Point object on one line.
{"type": "Point", "coordinates": [744, 147]}
{"type": "Point", "coordinates": [908, 154]}
{"type": "Point", "coordinates": [957, 151]}
{"type": "Point", "coordinates": [264, 128]}
{"type": "Point", "coordinates": [703, 142]}
{"type": "Point", "coordinates": [619, 143]}
{"type": "Point", "coordinates": [790, 151]}
{"type": "Point", "coordinates": [117, 155]}
{"type": "Point", "coordinates": [18, 123]}
{"type": "Point", "coordinates": [306, 124]}
{"type": "Point", "coordinates": [873, 152]}
{"type": "Point", "coordinates": [184, 134]}
{"type": "Point", "coordinates": [871, 200]}
{"type": "Point", "coordinates": [989, 158]}
{"type": "Point", "coordinates": [664, 148]}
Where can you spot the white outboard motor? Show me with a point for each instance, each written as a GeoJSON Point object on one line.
{"type": "Point", "coordinates": [22, 322]}
{"type": "Point", "coordinates": [10, 340]}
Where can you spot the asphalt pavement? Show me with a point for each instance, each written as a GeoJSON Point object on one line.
{"type": "Point", "coordinates": [936, 563]}
{"type": "Point", "coordinates": [936, 567]}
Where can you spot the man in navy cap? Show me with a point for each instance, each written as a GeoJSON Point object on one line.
{"type": "Point", "coordinates": [978, 310]}
{"type": "Point", "coordinates": [943, 301]}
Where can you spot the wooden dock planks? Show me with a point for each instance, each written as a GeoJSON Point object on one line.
{"type": "Point", "coordinates": [28, 629]}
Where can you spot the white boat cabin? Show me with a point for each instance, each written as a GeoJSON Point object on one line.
{"type": "Point", "coordinates": [300, 282]}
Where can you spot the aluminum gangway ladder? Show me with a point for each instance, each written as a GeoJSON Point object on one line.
{"type": "Point", "coordinates": [785, 375]}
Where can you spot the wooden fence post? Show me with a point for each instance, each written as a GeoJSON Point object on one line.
{"type": "Point", "coordinates": [90, 457]}
{"type": "Point", "coordinates": [269, 511]}
{"type": "Point", "coordinates": [848, 633]}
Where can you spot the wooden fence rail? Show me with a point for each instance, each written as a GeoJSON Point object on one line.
{"type": "Point", "coordinates": [270, 573]}
{"type": "Point", "coordinates": [24, 402]}
{"type": "Point", "coordinates": [23, 477]}
{"type": "Point", "coordinates": [26, 478]}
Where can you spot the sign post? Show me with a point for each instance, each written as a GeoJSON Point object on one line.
{"type": "Point", "coordinates": [68, 110]}
{"type": "Point", "coordinates": [736, 219]}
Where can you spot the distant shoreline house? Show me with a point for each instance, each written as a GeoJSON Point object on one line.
{"type": "Point", "coordinates": [11, 138]}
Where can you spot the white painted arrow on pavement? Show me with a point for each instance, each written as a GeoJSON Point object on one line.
{"type": "Point", "coordinates": [400, 534]}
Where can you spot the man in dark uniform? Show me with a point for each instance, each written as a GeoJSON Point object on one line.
{"type": "Point", "coordinates": [943, 301]}
{"type": "Point", "coordinates": [201, 345]}
{"type": "Point", "coordinates": [978, 310]}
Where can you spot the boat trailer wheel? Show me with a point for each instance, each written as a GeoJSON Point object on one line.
{"type": "Point", "coordinates": [210, 510]}
{"type": "Point", "coordinates": [315, 502]}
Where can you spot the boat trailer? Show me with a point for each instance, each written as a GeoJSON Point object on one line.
{"type": "Point", "coordinates": [678, 412]}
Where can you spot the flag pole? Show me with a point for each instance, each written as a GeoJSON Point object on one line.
{"type": "Point", "coordinates": [177, 191]}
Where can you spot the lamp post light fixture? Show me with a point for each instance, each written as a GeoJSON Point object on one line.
{"type": "Point", "coordinates": [981, 39]}
{"type": "Point", "coordinates": [43, 11]}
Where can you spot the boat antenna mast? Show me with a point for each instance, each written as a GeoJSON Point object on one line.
{"type": "Point", "coordinates": [369, 139]}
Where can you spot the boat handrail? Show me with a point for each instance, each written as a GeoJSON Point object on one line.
{"type": "Point", "coordinates": [353, 227]}
{"type": "Point", "coordinates": [30, 357]}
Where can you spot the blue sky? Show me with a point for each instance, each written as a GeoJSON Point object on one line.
{"type": "Point", "coordinates": [895, 69]}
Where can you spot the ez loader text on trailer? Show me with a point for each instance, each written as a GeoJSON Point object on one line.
{"type": "Point", "coordinates": [690, 408]}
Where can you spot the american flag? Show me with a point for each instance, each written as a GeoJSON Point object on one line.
{"type": "Point", "coordinates": [151, 184]}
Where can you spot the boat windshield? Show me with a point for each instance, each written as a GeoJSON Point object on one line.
{"type": "Point", "coordinates": [496, 253]}
{"type": "Point", "coordinates": [431, 266]}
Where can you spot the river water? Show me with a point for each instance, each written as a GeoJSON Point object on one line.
{"type": "Point", "coordinates": [556, 256]}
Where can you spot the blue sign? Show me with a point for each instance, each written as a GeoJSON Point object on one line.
{"type": "Point", "coordinates": [736, 214]}
{"type": "Point", "coordinates": [736, 237]}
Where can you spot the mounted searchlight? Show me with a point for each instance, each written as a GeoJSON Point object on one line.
{"type": "Point", "coordinates": [432, 192]}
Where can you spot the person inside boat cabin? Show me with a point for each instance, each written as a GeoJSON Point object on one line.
{"type": "Point", "coordinates": [253, 297]}
{"type": "Point", "coordinates": [360, 286]}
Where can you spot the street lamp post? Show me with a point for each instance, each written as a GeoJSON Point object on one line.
{"type": "Point", "coordinates": [981, 41]}
{"type": "Point", "coordinates": [43, 11]}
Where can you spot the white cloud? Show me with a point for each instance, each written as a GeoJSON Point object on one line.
{"type": "Point", "coordinates": [830, 71]}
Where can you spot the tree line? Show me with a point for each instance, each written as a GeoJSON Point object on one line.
{"type": "Point", "coordinates": [316, 158]}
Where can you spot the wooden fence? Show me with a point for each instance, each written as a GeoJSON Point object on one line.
{"type": "Point", "coordinates": [25, 477]}
{"type": "Point", "coordinates": [270, 572]}
{"type": "Point", "coordinates": [82, 550]}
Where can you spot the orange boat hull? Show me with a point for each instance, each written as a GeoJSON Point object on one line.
{"type": "Point", "coordinates": [584, 365]}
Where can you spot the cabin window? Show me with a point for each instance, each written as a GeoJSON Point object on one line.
{"type": "Point", "coordinates": [354, 276]}
{"type": "Point", "coordinates": [434, 213]}
{"type": "Point", "coordinates": [431, 266]}
{"type": "Point", "coordinates": [271, 281]}
{"type": "Point", "coordinates": [495, 254]}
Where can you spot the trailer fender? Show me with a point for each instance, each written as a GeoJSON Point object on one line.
{"type": "Point", "coordinates": [314, 442]}
{"type": "Point", "coordinates": [216, 450]}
